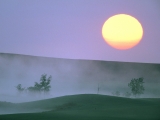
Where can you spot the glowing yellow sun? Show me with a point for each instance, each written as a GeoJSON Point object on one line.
{"type": "Point", "coordinates": [122, 31]}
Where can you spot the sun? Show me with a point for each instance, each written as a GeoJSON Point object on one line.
{"type": "Point", "coordinates": [122, 31]}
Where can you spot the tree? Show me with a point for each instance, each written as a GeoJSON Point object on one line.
{"type": "Point", "coordinates": [136, 86]}
{"type": "Point", "coordinates": [43, 86]}
{"type": "Point", "coordinates": [19, 88]}
{"type": "Point", "coordinates": [37, 87]}
{"type": "Point", "coordinates": [31, 90]}
{"type": "Point", "coordinates": [45, 83]}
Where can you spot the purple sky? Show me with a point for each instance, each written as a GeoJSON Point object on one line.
{"type": "Point", "coordinates": [72, 28]}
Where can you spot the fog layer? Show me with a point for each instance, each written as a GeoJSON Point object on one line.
{"type": "Point", "coordinates": [73, 76]}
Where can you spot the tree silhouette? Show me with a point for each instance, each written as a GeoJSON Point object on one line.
{"type": "Point", "coordinates": [43, 86]}
{"type": "Point", "coordinates": [136, 86]}
{"type": "Point", "coordinates": [31, 89]}
{"type": "Point", "coordinates": [45, 83]}
{"type": "Point", "coordinates": [19, 88]}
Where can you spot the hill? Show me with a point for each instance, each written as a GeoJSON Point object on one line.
{"type": "Point", "coordinates": [88, 107]}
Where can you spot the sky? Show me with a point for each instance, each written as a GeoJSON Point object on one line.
{"type": "Point", "coordinates": [72, 29]}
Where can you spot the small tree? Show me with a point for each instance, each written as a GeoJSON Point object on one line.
{"type": "Point", "coordinates": [37, 87]}
{"type": "Point", "coordinates": [45, 83]}
{"type": "Point", "coordinates": [31, 89]}
{"type": "Point", "coordinates": [43, 86]}
{"type": "Point", "coordinates": [19, 88]}
{"type": "Point", "coordinates": [136, 86]}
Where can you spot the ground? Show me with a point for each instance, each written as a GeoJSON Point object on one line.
{"type": "Point", "coordinates": [86, 107]}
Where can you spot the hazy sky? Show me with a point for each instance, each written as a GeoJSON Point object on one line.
{"type": "Point", "coordinates": [72, 28]}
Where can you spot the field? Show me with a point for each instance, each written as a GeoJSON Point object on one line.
{"type": "Point", "coordinates": [84, 107]}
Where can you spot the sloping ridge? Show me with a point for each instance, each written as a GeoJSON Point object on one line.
{"type": "Point", "coordinates": [85, 100]}
{"type": "Point", "coordinates": [88, 101]}
{"type": "Point", "coordinates": [90, 106]}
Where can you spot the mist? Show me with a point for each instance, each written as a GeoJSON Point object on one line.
{"type": "Point", "coordinates": [73, 76]}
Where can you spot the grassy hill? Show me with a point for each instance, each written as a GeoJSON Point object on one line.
{"type": "Point", "coordinates": [87, 107]}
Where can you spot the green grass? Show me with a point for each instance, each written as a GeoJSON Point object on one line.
{"type": "Point", "coordinates": [88, 107]}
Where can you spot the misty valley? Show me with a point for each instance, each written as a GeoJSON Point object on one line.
{"type": "Point", "coordinates": [43, 88]}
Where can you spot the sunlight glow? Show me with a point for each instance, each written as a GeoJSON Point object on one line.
{"type": "Point", "coordinates": [122, 31]}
